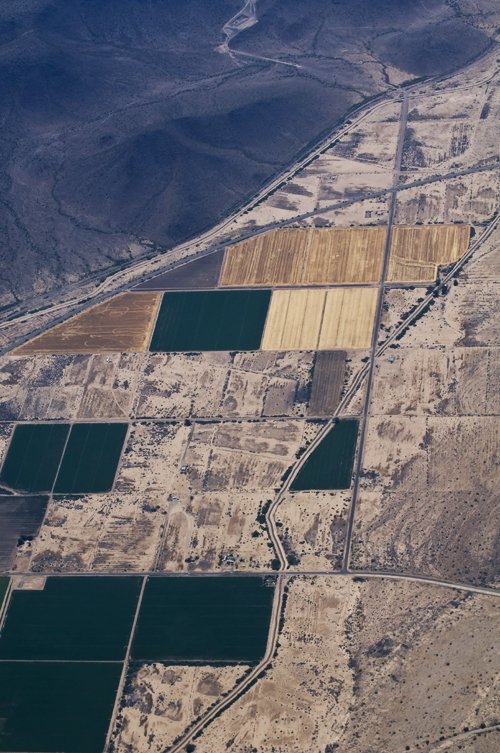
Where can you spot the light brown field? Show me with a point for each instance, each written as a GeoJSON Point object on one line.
{"type": "Point", "coordinates": [320, 319]}
{"type": "Point", "coordinates": [416, 252]}
{"type": "Point", "coordinates": [306, 256]}
{"type": "Point", "coordinates": [124, 323]}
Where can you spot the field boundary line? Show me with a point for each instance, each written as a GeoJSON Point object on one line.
{"type": "Point", "coordinates": [125, 667]}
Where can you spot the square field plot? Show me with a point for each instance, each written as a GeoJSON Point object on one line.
{"type": "Point", "coordinates": [214, 320]}
{"type": "Point", "coordinates": [206, 619]}
{"type": "Point", "coordinates": [33, 457]}
{"type": "Point", "coordinates": [330, 464]}
{"type": "Point", "coordinates": [48, 707]}
{"type": "Point", "coordinates": [72, 618]}
{"type": "Point", "coordinates": [91, 458]}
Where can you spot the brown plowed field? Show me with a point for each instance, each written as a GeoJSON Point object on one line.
{"type": "Point", "coordinates": [416, 252]}
{"type": "Point", "coordinates": [328, 379]}
{"type": "Point", "coordinates": [307, 256]}
{"type": "Point", "coordinates": [320, 319]}
{"type": "Point", "coordinates": [124, 323]}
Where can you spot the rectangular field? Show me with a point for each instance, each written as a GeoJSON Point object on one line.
{"type": "Point", "coordinates": [208, 321]}
{"type": "Point", "coordinates": [416, 252]}
{"type": "Point", "coordinates": [195, 275]}
{"type": "Point", "coordinates": [77, 619]}
{"type": "Point", "coordinates": [327, 382]}
{"type": "Point", "coordinates": [33, 457]}
{"type": "Point", "coordinates": [47, 706]}
{"type": "Point", "coordinates": [320, 319]}
{"type": "Point", "coordinates": [20, 517]}
{"type": "Point", "coordinates": [91, 458]}
{"type": "Point", "coordinates": [207, 619]}
{"type": "Point", "coordinates": [306, 256]}
{"type": "Point", "coordinates": [330, 464]}
{"type": "Point", "coordinates": [123, 323]}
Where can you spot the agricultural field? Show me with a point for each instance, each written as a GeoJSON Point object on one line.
{"type": "Point", "coordinates": [204, 619]}
{"type": "Point", "coordinates": [56, 706]}
{"type": "Point", "coordinates": [215, 320]}
{"type": "Point", "coordinates": [20, 521]}
{"type": "Point", "coordinates": [123, 323]}
{"type": "Point", "coordinates": [91, 457]}
{"type": "Point", "coordinates": [313, 256]}
{"type": "Point", "coordinates": [33, 457]}
{"type": "Point", "coordinates": [76, 619]}
{"type": "Point", "coordinates": [371, 665]}
{"type": "Point", "coordinates": [330, 464]}
{"type": "Point", "coordinates": [416, 252]}
{"type": "Point", "coordinates": [327, 382]}
{"type": "Point", "coordinates": [321, 319]}
{"type": "Point", "coordinates": [195, 275]}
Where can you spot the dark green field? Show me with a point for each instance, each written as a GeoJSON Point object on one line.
{"type": "Point", "coordinates": [330, 465]}
{"type": "Point", "coordinates": [33, 457]}
{"type": "Point", "coordinates": [4, 584]}
{"type": "Point", "coordinates": [214, 320]}
{"type": "Point", "coordinates": [209, 619]}
{"type": "Point", "coordinates": [72, 618]}
{"type": "Point", "coordinates": [56, 707]}
{"type": "Point", "coordinates": [91, 458]}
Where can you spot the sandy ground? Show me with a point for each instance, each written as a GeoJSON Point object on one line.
{"type": "Point", "coordinates": [160, 701]}
{"type": "Point", "coordinates": [364, 666]}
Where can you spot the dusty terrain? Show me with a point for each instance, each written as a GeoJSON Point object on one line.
{"type": "Point", "coordinates": [355, 659]}
{"type": "Point", "coordinates": [431, 460]}
{"type": "Point", "coordinates": [161, 700]}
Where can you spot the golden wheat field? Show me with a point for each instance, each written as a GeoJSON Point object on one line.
{"type": "Point", "coordinates": [320, 319]}
{"type": "Point", "coordinates": [305, 256]}
{"type": "Point", "coordinates": [416, 252]}
{"type": "Point", "coordinates": [124, 323]}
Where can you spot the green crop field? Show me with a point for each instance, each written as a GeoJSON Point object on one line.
{"type": "Point", "coordinates": [206, 619]}
{"type": "Point", "coordinates": [91, 458]}
{"type": "Point", "coordinates": [214, 320]}
{"type": "Point", "coordinates": [47, 707]}
{"type": "Point", "coordinates": [330, 464]}
{"type": "Point", "coordinates": [79, 618]}
{"type": "Point", "coordinates": [34, 456]}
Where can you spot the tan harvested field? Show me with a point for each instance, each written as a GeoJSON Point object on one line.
{"type": "Point", "coordinates": [124, 323]}
{"type": "Point", "coordinates": [375, 666]}
{"type": "Point", "coordinates": [323, 319]}
{"type": "Point", "coordinates": [306, 256]}
{"type": "Point", "coordinates": [416, 252]}
{"type": "Point", "coordinates": [161, 700]}
{"type": "Point", "coordinates": [99, 533]}
{"type": "Point", "coordinates": [327, 382]}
